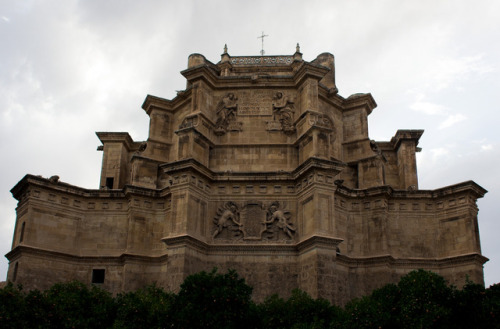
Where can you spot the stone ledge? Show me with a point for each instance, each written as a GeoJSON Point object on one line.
{"type": "Point", "coordinates": [118, 259]}
{"type": "Point", "coordinates": [384, 260]}
{"type": "Point", "coordinates": [259, 249]}
{"type": "Point", "coordinates": [468, 186]}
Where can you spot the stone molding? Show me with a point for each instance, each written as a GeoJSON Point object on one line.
{"type": "Point", "coordinates": [216, 249]}
{"type": "Point", "coordinates": [320, 242]}
{"type": "Point", "coordinates": [154, 102]}
{"type": "Point", "coordinates": [411, 262]}
{"type": "Point", "coordinates": [262, 60]}
{"type": "Point", "coordinates": [31, 181]}
{"type": "Point", "coordinates": [356, 101]}
{"type": "Point", "coordinates": [293, 249]}
{"type": "Point", "coordinates": [468, 186]}
{"type": "Point", "coordinates": [118, 259]}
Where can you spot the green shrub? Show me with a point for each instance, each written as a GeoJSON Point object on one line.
{"type": "Point", "coordinates": [75, 305]}
{"type": "Point", "coordinates": [299, 311]}
{"type": "Point", "coordinates": [12, 307]}
{"type": "Point", "coordinates": [213, 300]}
{"type": "Point", "coordinates": [421, 299]}
{"type": "Point", "coordinates": [149, 307]}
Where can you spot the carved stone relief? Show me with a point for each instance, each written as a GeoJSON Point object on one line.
{"type": "Point", "coordinates": [255, 221]}
{"type": "Point", "coordinates": [259, 60]}
{"type": "Point", "coordinates": [189, 122]}
{"type": "Point", "coordinates": [228, 219]}
{"type": "Point", "coordinates": [226, 115]}
{"type": "Point", "coordinates": [142, 148]}
{"type": "Point", "coordinates": [278, 220]}
{"type": "Point", "coordinates": [320, 120]}
{"type": "Point", "coordinates": [255, 103]}
{"type": "Point", "coordinates": [283, 113]}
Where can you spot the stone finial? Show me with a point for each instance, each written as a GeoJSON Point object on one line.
{"type": "Point", "coordinates": [298, 55]}
{"type": "Point", "coordinates": [225, 57]}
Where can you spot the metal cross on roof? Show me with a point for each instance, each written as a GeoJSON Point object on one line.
{"type": "Point", "coordinates": [262, 37]}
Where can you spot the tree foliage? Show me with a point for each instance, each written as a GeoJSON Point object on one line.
{"type": "Point", "coordinates": [213, 300]}
{"type": "Point", "coordinates": [64, 305]}
{"type": "Point", "coordinates": [299, 311]}
{"type": "Point", "coordinates": [149, 307]}
{"type": "Point", "coordinates": [421, 299]}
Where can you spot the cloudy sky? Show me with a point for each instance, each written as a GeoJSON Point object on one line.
{"type": "Point", "coordinates": [70, 68]}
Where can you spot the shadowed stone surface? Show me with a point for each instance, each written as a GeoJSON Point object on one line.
{"type": "Point", "coordinates": [261, 166]}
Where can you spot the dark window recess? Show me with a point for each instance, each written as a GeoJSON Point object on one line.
{"type": "Point", "coordinates": [21, 236]}
{"type": "Point", "coordinates": [14, 276]}
{"type": "Point", "coordinates": [109, 182]}
{"type": "Point", "coordinates": [98, 276]}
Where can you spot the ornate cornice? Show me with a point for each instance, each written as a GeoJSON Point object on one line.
{"type": "Point", "coordinates": [359, 100]}
{"type": "Point", "coordinates": [308, 165]}
{"type": "Point", "coordinates": [261, 60]}
{"type": "Point", "coordinates": [154, 102]}
{"type": "Point", "coordinates": [115, 259]}
{"type": "Point", "coordinates": [29, 181]}
{"type": "Point", "coordinates": [411, 262]}
{"type": "Point", "coordinates": [254, 248]}
{"type": "Point", "coordinates": [318, 241]}
{"type": "Point", "coordinates": [386, 190]}
{"type": "Point", "coordinates": [408, 135]}
{"type": "Point", "coordinates": [118, 137]}
{"type": "Point", "coordinates": [246, 76]}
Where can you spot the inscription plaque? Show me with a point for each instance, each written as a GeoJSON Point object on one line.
{"type": "Point", "coordinates": [256, 102]}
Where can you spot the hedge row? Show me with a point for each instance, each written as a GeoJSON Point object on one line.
{"type": "Point", "coordinates": [214, 300]}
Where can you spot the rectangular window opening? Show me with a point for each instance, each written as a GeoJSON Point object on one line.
{"type": "Point", "coordinates": [21, 236]}
{"type": "Point", "coordinates": [14, 276]}
{"type": "Point", "coordinates": [98, 275]}
{"type": "Point", "coordinates": [109, 182]}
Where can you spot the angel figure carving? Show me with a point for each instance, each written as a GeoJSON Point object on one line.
{"type": "Point", "coordinates": [227, 216]}
{"type": "Point", "coordinates": [280, 217]}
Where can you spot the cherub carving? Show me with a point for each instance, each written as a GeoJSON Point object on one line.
{"type": "Point", "coordinates": [280, 217]}
{"type": "Point", "coordinates": [228, 215]}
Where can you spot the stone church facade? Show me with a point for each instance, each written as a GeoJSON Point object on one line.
{"type": "Point", "coordinates": [259, 165]}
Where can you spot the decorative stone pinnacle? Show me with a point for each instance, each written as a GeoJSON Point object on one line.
{"type": "Point", "coordinates": [225, 48]}
{"type": "Point", "coordinates": [297, 49]}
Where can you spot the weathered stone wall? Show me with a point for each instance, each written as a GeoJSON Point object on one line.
{"type": "Point", "coordinates": [260, 166]}
{"type": "Point", "coordinates": [67, 235]}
